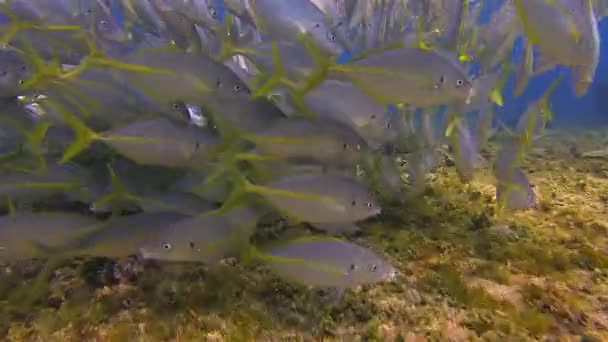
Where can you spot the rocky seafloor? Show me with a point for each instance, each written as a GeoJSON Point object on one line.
{"type": "Point", "coordinates": [541, 274]}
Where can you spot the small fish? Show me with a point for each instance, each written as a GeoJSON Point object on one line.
{"type": "Point", "coordinates": [327, 262]}
{"type": "Point", "coordinates": [204, 238]}
{"type": "Point", "coordinates": [28, 235]}
{"type": "Point", "coordinates": [289, 19]}
{"type": "Point", "coordinates": [150, 142]}
{"type": "Point", "coordinates": [329, 202]}
{"type": "Point", "coordinates": [181, 76]}
{"type": "Point", "coordinates": [356, 109]}
{"type": "Point", "coordinates": [315, 140]}
{"type": "Point", "coordinates": [122, 236]}
{"type": "Point", "coordinates": [409, 75]}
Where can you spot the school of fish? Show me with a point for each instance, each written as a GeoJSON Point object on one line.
{"type": "Point", "coordinates": [168, 129]}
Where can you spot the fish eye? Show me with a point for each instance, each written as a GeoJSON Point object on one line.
{"type": "Point", "coordinates": [213, 13]}
{"type": "Point", "coordinates": [373, 268]}
{"type": "Point", "coordinates": [352, 267]}
{"type": "Point", "coordinates": [237, 88]}
{"type": "Point", "coordinates": [345, 146]}
{"type": "Point", "coordinates": [460, 83]}
{"type": "Point", "coordinates": [370, 204]}
{"type": "Point", "coordinates": [166, 245]}
{"type": "Point", "coordinates": [103, 23]}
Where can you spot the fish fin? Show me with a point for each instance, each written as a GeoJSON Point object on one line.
{"type": "Point", "coordinates": [84, 136]}
{"type": "Point", "coordinates": [336, 228]}
{"type": "Point", "coordinates": [119, 191]}
{"type": "Point", "coordinates": [35, 139]}
{"type": "Point", "coordinates": [250, 254]}
{"type": "Point", "coordinates": [545, 104]}
{"type": "Point", "coordinates": [17, 25]}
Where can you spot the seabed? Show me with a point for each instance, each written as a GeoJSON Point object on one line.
{"type": "Point", "coordinates": [541, 274]}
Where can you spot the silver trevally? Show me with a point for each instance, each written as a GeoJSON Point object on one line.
{"type": "Point", "coordinates": [329, 202]}
{"type": "Point", "coordinates": [409, 75]}
{"type": "Point", "coordinates": [124, 235]}
{"type": "Point", "coordinates": [288, 19]}
{"type": "Point", "coordinates": [204, 238]}
{"type": "Point", "coordinates": [327, 262]}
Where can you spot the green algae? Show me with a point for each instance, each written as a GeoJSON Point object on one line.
{"type": "Point", "coordinates": [551, 263]}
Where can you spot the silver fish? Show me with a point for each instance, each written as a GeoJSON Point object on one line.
{"type": "Point", "coordinates": [326, 262]}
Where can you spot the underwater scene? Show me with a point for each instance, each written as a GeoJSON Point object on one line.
{"type": "Point", "coordinates": [303, 170]}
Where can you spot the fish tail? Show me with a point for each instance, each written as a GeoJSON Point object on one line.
{"type": "Point", "coordinates": [322, 66]}
{"type": "Point", "coordinates": [119, 191]}
{"type": "Point", "coordinates": [277, 78]}
{"type": "Point", "coordinates": [545, 105]}
{"type": "Point", "coordinates": [84, 136]}
{"type": "Point", "coordinates": [35, 139]}
{"type": "Point", "coordinates": [241, 186]}
{"type": "Point", "coordinates": [17, 25]}
{"type": "Point", "coordinates": [453, 123]}
{"type": "Point", "coordinates": [250, 254]}
{"type": "Point", "coordinates": [497, 90]}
